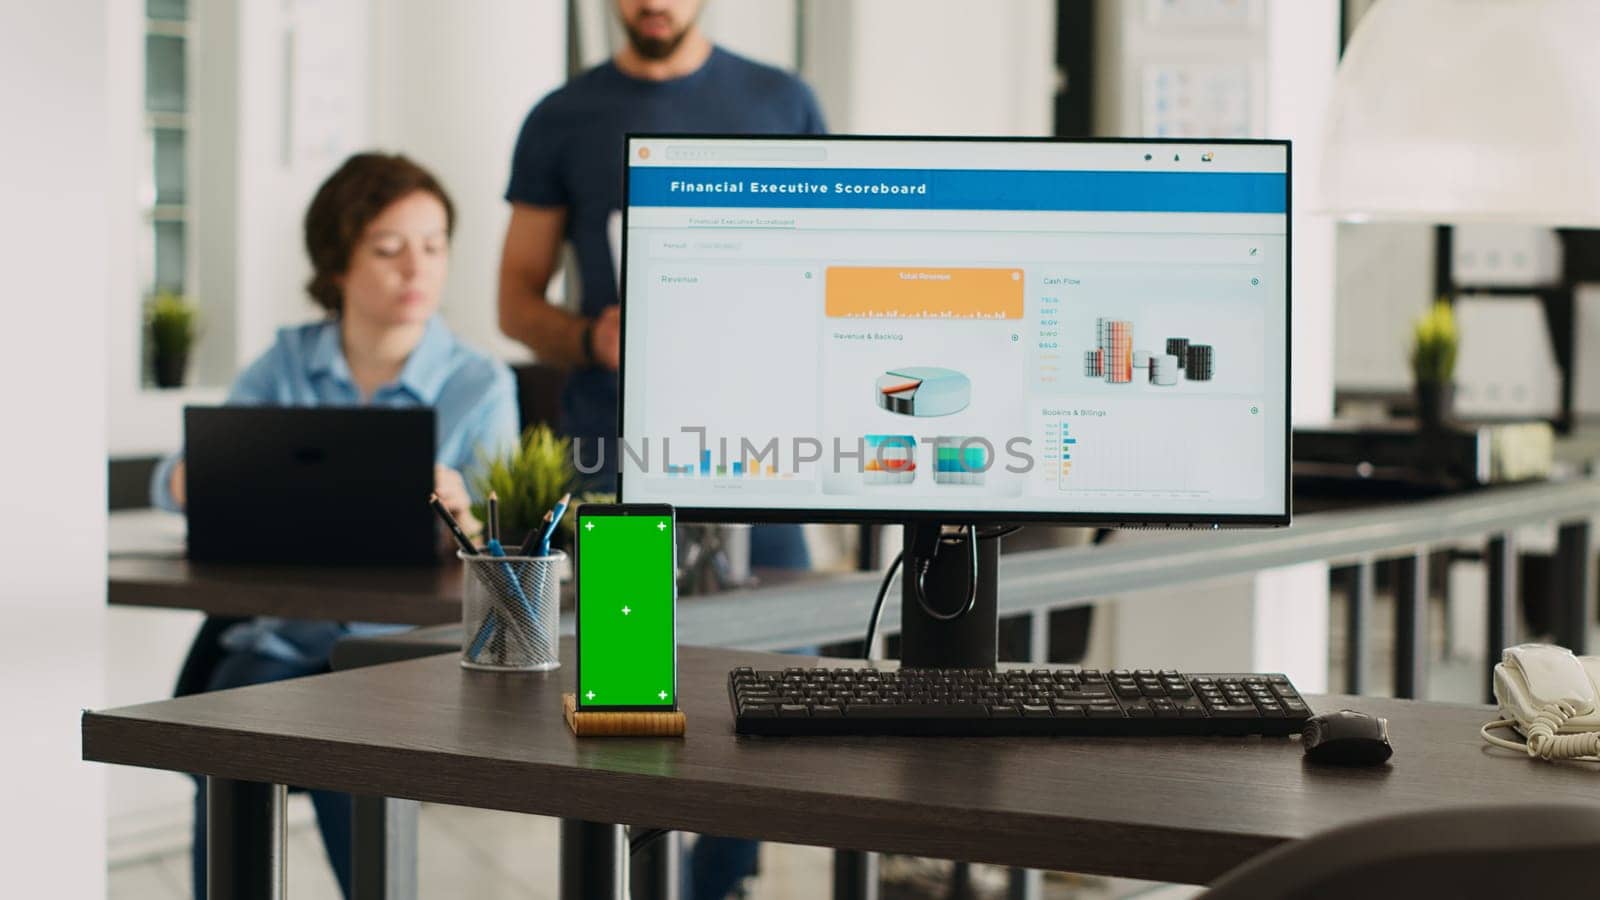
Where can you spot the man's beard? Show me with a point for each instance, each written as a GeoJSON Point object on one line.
{"type": "Point", "coordinates": [653, 48]}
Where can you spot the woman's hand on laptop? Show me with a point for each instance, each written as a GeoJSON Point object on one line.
{"type": "Point", "coordinates": [452, 491]}
{"type": "Point", "coordinates": [178, 485]}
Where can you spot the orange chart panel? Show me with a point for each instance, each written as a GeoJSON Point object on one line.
{"type": "Point", "coordinates": [883, 292]}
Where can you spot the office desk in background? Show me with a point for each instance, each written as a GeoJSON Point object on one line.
{"type": "Point", "coordinates": [1172, 809]}
{"type": "Point", "coordinates": [146, 568]}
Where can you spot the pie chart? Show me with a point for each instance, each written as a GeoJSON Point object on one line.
{"type": "Point", "coordinates": [923, 391]}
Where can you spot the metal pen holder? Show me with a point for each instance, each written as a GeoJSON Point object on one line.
{"type": "Point", "coordinates": [511, 612]}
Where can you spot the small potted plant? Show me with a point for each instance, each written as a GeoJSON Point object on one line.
{"type": "Point", "coordinates": [527, 481]}
{"type": "Point", "coordinates": [1433, 365]}
{"type": "Point", "coordinates": [171, 319]}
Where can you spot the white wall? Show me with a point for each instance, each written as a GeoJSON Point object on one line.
{"type": "Point", "coordinates": [57, 158]}
{"type": "Point", "coordinates": [452, 83]}
{"type": "Point", "coordinates": [762, 30]}
{"type": "Point", "coordinates": [932, 66]}
{"type": "Point", "coordinates": [279, 171]}
{"type": "Point", "coordinates": [1384, 282]}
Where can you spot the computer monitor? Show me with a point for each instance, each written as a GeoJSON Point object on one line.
{"type": "Point", "coordinates": [956, 331]}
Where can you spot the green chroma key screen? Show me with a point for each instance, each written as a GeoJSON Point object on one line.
{"type": "Point", "coordinates": [627, 642]}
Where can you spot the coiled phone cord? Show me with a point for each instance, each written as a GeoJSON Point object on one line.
{"type": "Point", "coordinates": [1543, 741]}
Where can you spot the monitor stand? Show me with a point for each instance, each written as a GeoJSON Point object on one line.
{"type": "Point", "coordinates": [969, 641]}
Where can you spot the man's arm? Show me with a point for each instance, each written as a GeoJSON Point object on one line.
{"type": "Point", "coordinates": [527, 262]}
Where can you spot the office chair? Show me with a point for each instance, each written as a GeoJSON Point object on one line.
{"type": "Point", "coordinates": [539, 394]}
{"type": "Point", "coordinates": [1466, 853]}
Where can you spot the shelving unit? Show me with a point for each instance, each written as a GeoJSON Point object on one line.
{"type": "Point", "coordinates": [167, 263]}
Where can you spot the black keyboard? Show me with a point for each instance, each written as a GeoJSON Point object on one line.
{"type": "Point", "coordinates": [1011, 702]}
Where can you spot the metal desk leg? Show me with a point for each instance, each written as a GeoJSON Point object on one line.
{"type": "Point", "coordinates": [1575, 561]}
{"type": "Point", "coordinates": [384, 849]}
{"type": "Point", "coordinates": [246, 855]}
{"type": "Point", "coordinates": [1501, 556]}
{"type": "Point", "coordinates": [1025, 884]}
{"type": "Point", "coordinates": [593, 861]}
{"type": "Point", "coordinates": [656, 870]}
{"type": "Point", "coordinates": [960, 880]}
{"type": "Point", "coordinates": [855, 875]}
{"type": "Point", "coordinates": [1411, 625]}
{"type": "Point", "coordinates": [1039, 637]}
{"type": "Point", "coordinates": [1357, 652]}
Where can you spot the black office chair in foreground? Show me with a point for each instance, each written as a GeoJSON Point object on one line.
{"type": "Point", "coordinates": [1489, 852]}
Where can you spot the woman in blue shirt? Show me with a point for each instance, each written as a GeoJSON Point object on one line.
{"type": "Point", "coordinates": [378, 234]}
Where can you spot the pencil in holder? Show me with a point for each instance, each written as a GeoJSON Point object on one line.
{"type": "Point", "coordinates": [511, 612]}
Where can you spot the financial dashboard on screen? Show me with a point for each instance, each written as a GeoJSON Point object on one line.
{"type": "Point", "coordinates": [1018, 330]}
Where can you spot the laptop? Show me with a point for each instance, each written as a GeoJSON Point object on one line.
{"type": "Point", "coordinates": [323, 485]}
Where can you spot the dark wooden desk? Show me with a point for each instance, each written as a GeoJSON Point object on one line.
{"type": "Point", "coordinates": [1178, 809]}
{"type": "Point", "coordinates": [423, 595]}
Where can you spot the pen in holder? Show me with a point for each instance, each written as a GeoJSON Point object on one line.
{"type": "Point", "coordinates": [510, 612]}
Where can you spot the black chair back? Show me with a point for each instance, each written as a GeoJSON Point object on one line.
{"type": "Point", "coordinates": [1488, 852]}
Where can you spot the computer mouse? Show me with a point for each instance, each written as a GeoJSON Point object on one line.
{"type": "Point", "coordinates": [1347, 738]}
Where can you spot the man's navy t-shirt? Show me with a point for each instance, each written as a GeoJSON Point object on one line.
{"type": "Point", "coordinates": [570, 154]}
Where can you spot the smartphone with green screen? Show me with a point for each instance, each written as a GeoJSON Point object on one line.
{"type": "Point", "coordinates": [627, 598]}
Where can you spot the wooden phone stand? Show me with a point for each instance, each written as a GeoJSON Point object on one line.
{"type": "Point", "coordinates": [632, 723]}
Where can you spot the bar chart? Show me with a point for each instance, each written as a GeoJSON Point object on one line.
{"type": "Point", "coordinates": [746, 468]}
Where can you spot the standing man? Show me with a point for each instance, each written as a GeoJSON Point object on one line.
{"type": "Point", "coordinates": [566, 185]}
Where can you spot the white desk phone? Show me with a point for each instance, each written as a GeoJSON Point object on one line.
{"type": "Point", "coordinates": [1552, 698]}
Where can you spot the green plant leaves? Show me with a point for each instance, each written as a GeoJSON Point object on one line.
{"type": "Point", "coordinates": [1434, 345]}
{"type": "Point", "coordinates": [172, 321]}
{"type": "Point", "coordinates": [527, 479]}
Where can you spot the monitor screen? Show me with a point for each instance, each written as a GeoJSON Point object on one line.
{"type": "Point", "coordinates": [960, 330]}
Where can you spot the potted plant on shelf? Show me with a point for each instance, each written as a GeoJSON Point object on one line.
{"type": "Point", "coordinates": [527, 481]}
{"type": "Point", "coordinates": [1433, 365]}
{"type": "Point", "coordinates": [171, 319]}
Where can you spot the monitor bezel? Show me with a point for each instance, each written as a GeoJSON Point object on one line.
{"type": "Point", "coordinates": [772, 514]}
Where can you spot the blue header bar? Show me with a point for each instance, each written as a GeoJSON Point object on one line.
{"type": "Point", "coordinates": [945, 189]}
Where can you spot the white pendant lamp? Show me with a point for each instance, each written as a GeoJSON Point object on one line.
{"type": "Point", "coordinates": [1468, 111]}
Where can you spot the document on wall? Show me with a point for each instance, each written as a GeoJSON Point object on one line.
{"type": "Point", "coordinates": [325, 85]}
{"type": "Point", "coordinates": [1182, 100]}
{"type": "Point", "coordinates": [1202, 12]}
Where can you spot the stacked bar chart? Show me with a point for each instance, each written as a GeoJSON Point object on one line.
{"type": "Point", "coordinates": [1179, 347]}
{"type": "Point", "coordinates": [1198, 365]}
{"type": "Point", "coordinates": [1164, 369]}
{"type": "Point", "coordinates": [957, 462]}
{"type": "Point", "coordinates": [1114, 341]}
{"type": "Point", "coordinates": [748, 468]}
{"type": "Point", "coordinates": [1115, 360]}
{"type": "Point", "coordinates": [891, 459]}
